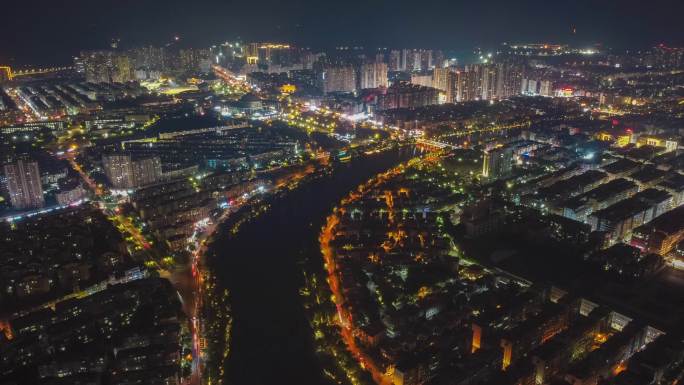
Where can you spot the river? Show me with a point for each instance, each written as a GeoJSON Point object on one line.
{"type": "Point", "coordinates": [262, 267]}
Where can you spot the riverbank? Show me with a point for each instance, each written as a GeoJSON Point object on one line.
{"type": "Point", "coordinates": [261, 266]}
{"type": "Point", "coordinates": [202, 299]}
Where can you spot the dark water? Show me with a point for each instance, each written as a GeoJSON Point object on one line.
{"type": "Point", "coordinates": [262, 268]}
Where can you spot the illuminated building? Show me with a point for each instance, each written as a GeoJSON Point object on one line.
{"type": "Point", "coordinates": [477, 338]}
{"type": "Point", "coordinates": [5, 74]}
{"type": "Point", "coordinates": [529, 87]}
{"type": "Point", "coordinates": [119, 170]}
{"type": "Point", "coordinates": [440, 78]}
{"type": "Point", "coordinates": [498, 163]}
{"type": "Point", "coordinates": [507, 353]}
{"type": "Point", "coordinates": [509, 78]}
{"type": "Point", "coordinates": [149, 58]}
{"type": "Point", "coordinates": [424, 80]}
{"type": "Point", "coordinates": [415, 60]}
{"type": "Point", "coordinates": [288, 88]}
{"type": "Point", "coordinates": [620, 219]}
{"type": "Point", "coordinates": [97, 66]}
{"type": "Point", "coordinates": [666, 57]}
{"type": "Point", "coordinates": [106, 67]}
{"type": "Point", "coordinates": [125, 173]}
{"type": "Point", "coordinates": [122, 70]}
{"type": "Point", "coordinates": [546, 88]}
{"type": "Point", "coordinates": [451, 88]}
{"type": "Point", "coordinates": [407, 95]}
{"type": "Point", "coordinates": [309, 59]}
{"type": "Point", "coordinates": [469, 84]}
{"type": "Point", "coordinates": [24, 185]}
{"type": "Point", "coordinates": [71, 195]}
{"type": "Point", "coordinates": [580, 207]}
{"type": "Point", "coordinates": [662, 234]}
{"type": "Point", "coordinates": [406, 63]}
{"type": "Point", "coordinates": [619, 139]}
{"type": "Point", "coordinates": [339, 78]}
{"type": "Point", "coordinates": [438, 59]}
{"type": "Point", "coordinates": [426, 59]}
{"type": "Point", "coordinates": [193, 60]}
{"type": "Point", "coordinates": [489, 82]}
{"type": "Point", "coordinates": [252, 53]}
{"type": "Point", "coordinates": [669, 143]}
{"type": "Point", "coordinates": [373, 75]}
{"type": "Point", "coordinates": [275, 54]}
{"type": "Point", "coordinates": [147, 171]}
{"type": "Point", "coordinates": [394, 60]}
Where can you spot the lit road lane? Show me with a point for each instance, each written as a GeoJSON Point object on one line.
{"type": "Point", "coordinates": [118, 219]}
{"type": "Point", "coordinates": [327, 234]}
{"type": "Point", "coordinates": [345, 318]}
{"type": "Point", "coordinates": [129, 227]}
{"type": "Point", "coordinates": [86, 178]}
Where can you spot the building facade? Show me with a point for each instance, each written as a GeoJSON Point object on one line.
{"type": "Point", "coordinates": [24, 185]}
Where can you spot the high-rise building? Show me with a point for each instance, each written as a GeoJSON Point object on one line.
{"type": "Point", "coordinates": [498, 163]}
{"type": "Point", "coordinates": [439, 59]}
{"type": "Point", "coordinates": [97, 66]}
{"type": "Point", "coordinates": [509, 79]}
{"type": "Point", "coordinates": [422, 79]}
{"type": "Point", "coordinates": [339, 78]}
{"type": "Point", "coordinates": [426, 59]}
{"type": "Point", "coordinates": [407, 95]}
{"type": "Point", "coordinates": [394, 60]}
{"type": "Point", "coordinates": [373, 75]}
{"type": "Point", "coordinates": [252, 53]}
{"type": "Point", "coordinates": [149, 58]}
{"type": "Point", "coordinates": [147, 171]}
{"type": "Point", "coordinates": [663, 56]}
{"type": "Point", "coordinates": [119, 170]}
{"type": "Point", "coordinates": [489, 82]}
{"type": "Point", "coordinates": [125, 173]}
{"type": "Point", "coordinates": [529, 87]}
{"type": "Point", "coordinates": [451, 88]}
{"type": "Point", "coordinates": [5, 74]}
{"type": "Point", "coordinates": [122, 69]}
{"type": "Point", "coordinates": [275, 54]}
{"type": "Point", "coordinates": [309, 59]}
{"type": "Point", "coordinates": [469, 83]}
{"type": "Point", "coordinates": [24, 185]}
{"type": "Point", "coordinates": [417, 60]}
{"type": "Point", "coordinates": [193, 60]}
{"type": "Point", "coordinates": [79, 65]}
{"type": "Point", "coordinates": [440, 78]}
{"type": "Point", "coordinates": [546, 88]}
{"type": "Point", "coordinates": [406, 63]}
{"type": "Point", "coordinates": [107, 67]}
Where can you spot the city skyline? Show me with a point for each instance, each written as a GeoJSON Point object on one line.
{"type": "Point", "coordinates": [348, 193]}
{"type": "Point", "coordinates": [458, 26]}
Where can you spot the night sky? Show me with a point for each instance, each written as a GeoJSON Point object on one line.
{"type": "Point", "coordinates": [52, 31]}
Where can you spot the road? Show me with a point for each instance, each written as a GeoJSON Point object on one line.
{"type": "Point", "coordinates": [345, 317]}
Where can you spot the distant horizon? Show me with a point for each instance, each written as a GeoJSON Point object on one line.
{"type": "Point", "coordinates": [66, 59]}
{"type": "Point", "coordinates": [438, 24]}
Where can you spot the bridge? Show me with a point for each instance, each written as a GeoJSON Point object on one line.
{"type": "Point", "coordinates": [435, 144]}
{"type": "Point", "coordinates": [9, 74]}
